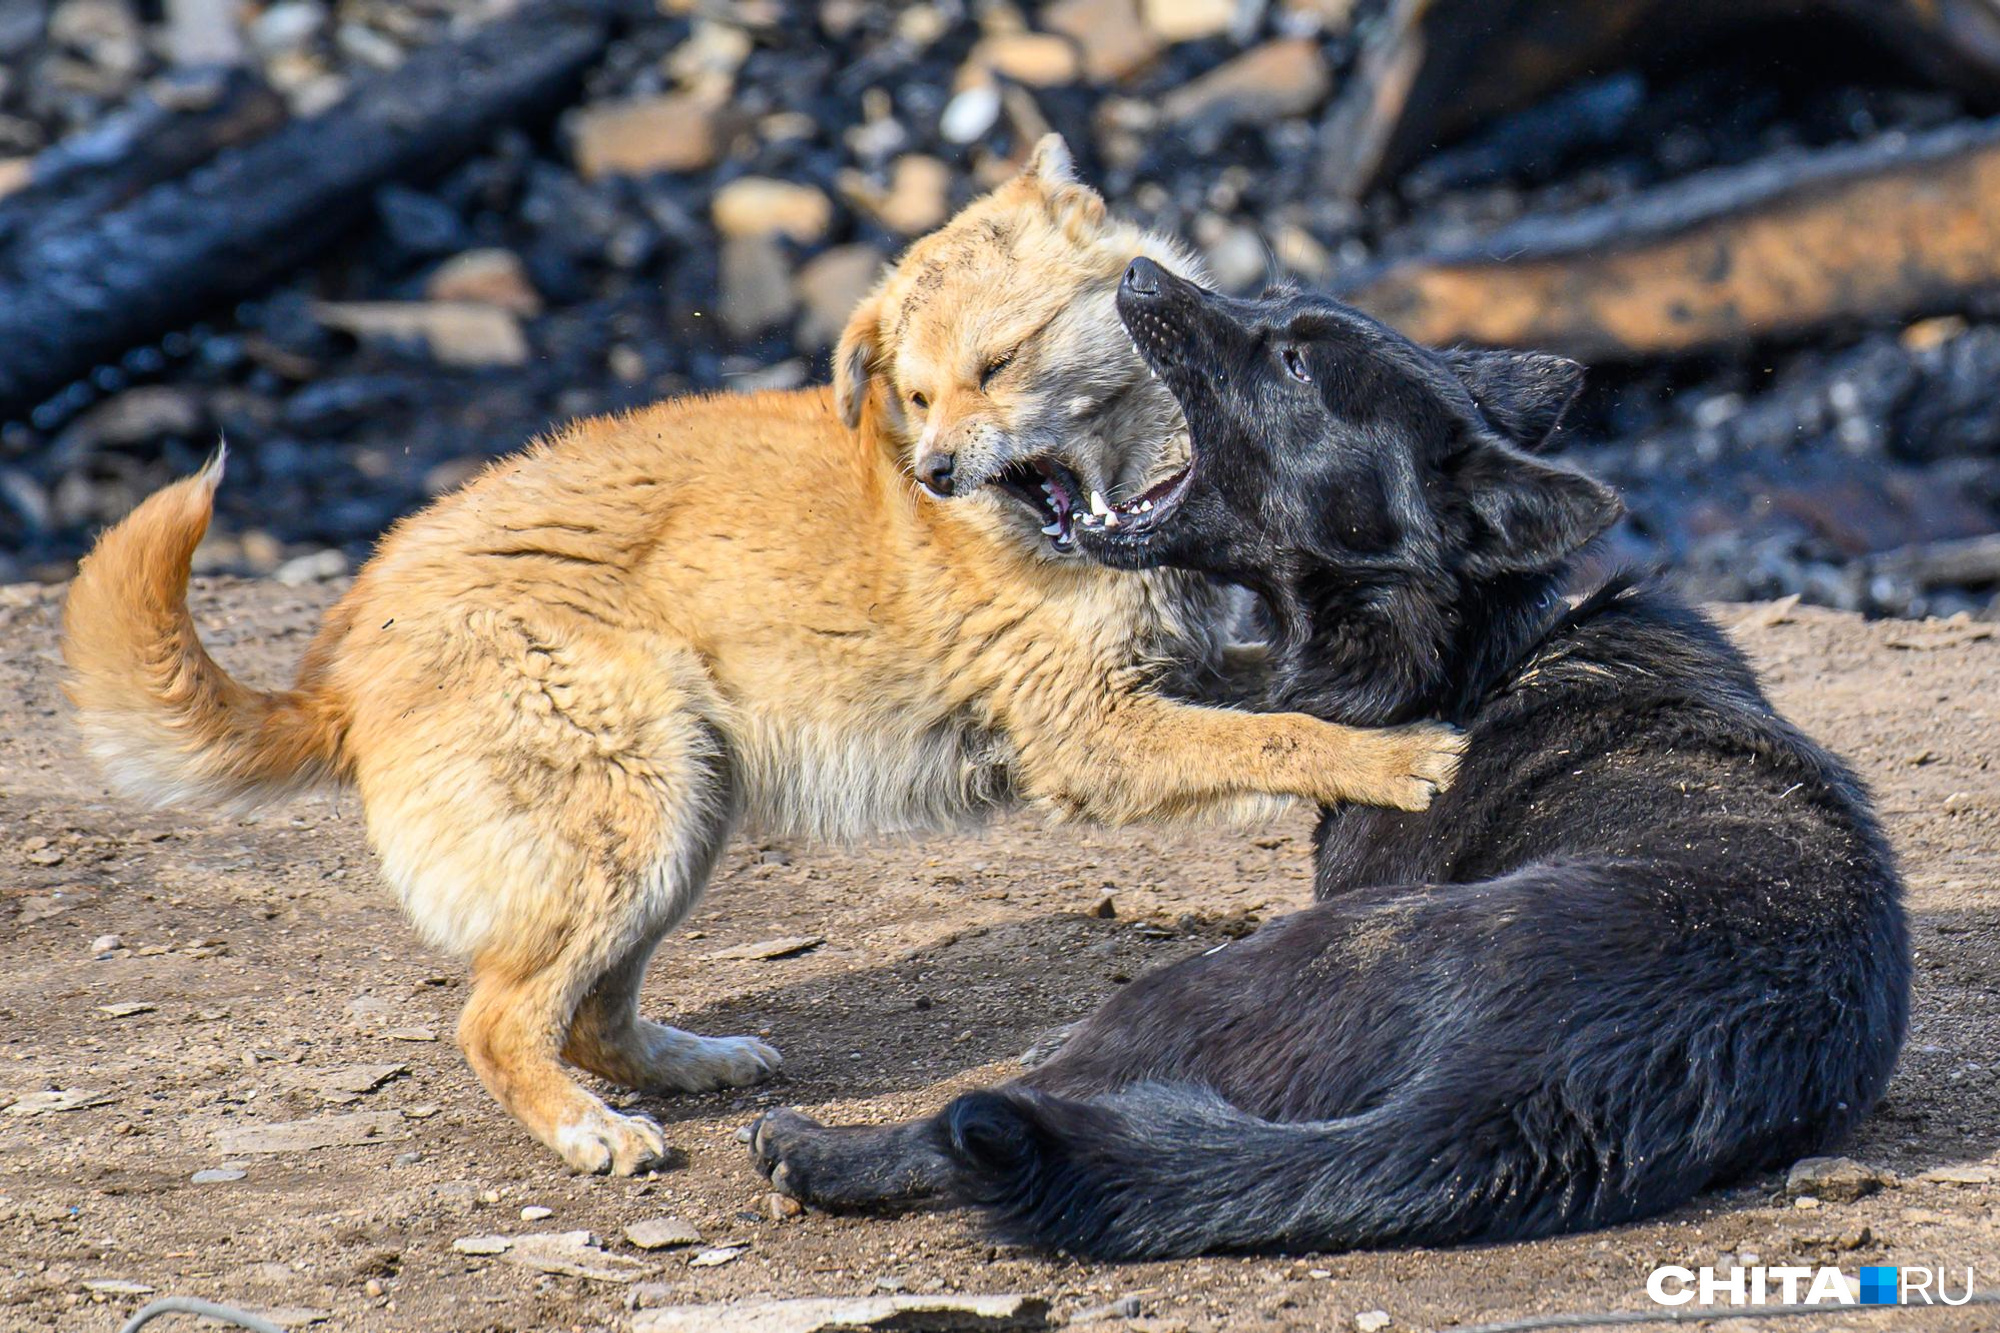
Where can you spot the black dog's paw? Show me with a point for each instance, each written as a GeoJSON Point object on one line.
{"type": "Point", "coordinates": [778, 1146]}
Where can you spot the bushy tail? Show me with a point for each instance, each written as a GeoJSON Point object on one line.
{"type": "Point", "coordinates": [165, 722]}
{"type": "Point", "coordinates": [1165, 1171]}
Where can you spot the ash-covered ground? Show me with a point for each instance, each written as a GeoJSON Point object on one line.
{"type": "Point", "coordinates": [734, 174]}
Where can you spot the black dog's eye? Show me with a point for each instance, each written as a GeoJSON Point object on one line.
{"type": "Point", "coordinates": [919, 402]}
{"type": "Point", "coordinates": [1295, 363]}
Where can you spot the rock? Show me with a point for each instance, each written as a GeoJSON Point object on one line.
{"type": "Point", "coordinates": [535, 1212]}
{"type": "Point", "coordinates": [919, 195]}
{"type": "Point", "coordinates": [970, 114]}
{"type": "Point", "coordinates": [317, 567]}
{"type": "Point", "coordinates": [765, 950]}
{"type": "Point", "coordinates": [299, 1316]}
{"type": "Point", "coordinates": [1279, 79]}
{"type": "Point", "coordinates": [662, 1233]}
{"type": "Point", "coordinates": [761, 206]}
{"type": "Point", "coordinates": [1834, 1179]}
{"type": "Point", "coordinates": [135, 416]}
{"type": "Point", "coordinates": [755, 278]}
{"type": "Point", "coordinates": [1039, 59]}
{"type": "Point", "coordinates": [1125, 1307]}
{"type": "Point", "coordinates": [287, 27]}
{"type": "Point", "coordinates": [410, 1034]}
{"type": "Point", "coordinates": [68, 1099]}
{"type": "Point", "coordinates": [1372, 1321]}
{"type": "Point", "coordinates": [567, 1253]}
{"type": "Point", "coordinates": [1958, 1175]}
{"type": "Point", "coordinates": [1301, 253]}
{"type": "Point", "coordinates": [1334, 16]}
{"type": "Point", "coordinates": [829, 287]}
{"type": "Point", "coordinates": [824, 1314]}
{"type": "Point", "coordinates": [676, 132]}
{"type": "Point", "coordinates": [715, 1258]}
{"type": "Point", "coordinates": [218, 1175]}
{"type": "Point", "coordinates": [782, 1207]}
{"type": "Point", "coordinates": [494, 277]}
{"type": "Point", "coordinates": [456, 333]}
{"type": "Point", "coordinates": [1113, 40]}
{"type": "Point", "coordinates": [1187, 20]}
{"type": "Point", "coordinates": [108, 34]}
{"type": "Point", "coordinates": [334, 1131]}
{"type": "Point", "coordinates": [126, 1009]}
{"type": "Point", "coordinates": [368, 46]}
{"type": "Point", "coordinates": [116, 1286]}
{"type": "Point", "coordinates": [1104, 909]}
{"type": "Point", "coordinates": [706, 63]}
{"type": "Point", "coordinates": [352, 1081]}
{"type": "Point", "coordinates": [1237, 259]}
{"type": "Point", "coordinates": [104, 944]}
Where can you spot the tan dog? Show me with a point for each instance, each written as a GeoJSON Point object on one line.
{"type": "Point", "coordinates": [561, 687]}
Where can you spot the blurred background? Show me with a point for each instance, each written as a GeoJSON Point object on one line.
{"type": "Point", "coordinates": [375, 242]}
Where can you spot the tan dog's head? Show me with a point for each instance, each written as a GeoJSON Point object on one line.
{"type": "Point", "coordinates": [997, 362]}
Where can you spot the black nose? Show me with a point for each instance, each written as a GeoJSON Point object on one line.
{"type": "Point", "coordinates": [936, 472]}
{"type": "Point", "coordinates": [1142, 278]}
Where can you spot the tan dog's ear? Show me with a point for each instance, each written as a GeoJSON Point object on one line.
{"type": "Point", "coordinates": [1051, 163]}
{"type": "Point", "coordinates": [858, 359]}
{"type": "Point", "coordinates": [1078, 209]}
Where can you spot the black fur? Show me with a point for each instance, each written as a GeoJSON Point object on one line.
{"type": "Point", "coordinates": [1649, 941]}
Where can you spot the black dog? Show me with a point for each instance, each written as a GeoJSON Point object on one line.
{"type": "Point", "coordinates": [1651, 940]}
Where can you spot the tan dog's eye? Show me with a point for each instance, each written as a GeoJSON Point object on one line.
{"type": "Point", "coordinates": [994, 367]}
{"type": "Point", "coordinates": [919, 402]}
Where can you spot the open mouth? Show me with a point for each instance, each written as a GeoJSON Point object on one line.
{"type": "Point", "coordinates": [1143, 513]}
{"type": "Point", "coordinates": [1052, 493]}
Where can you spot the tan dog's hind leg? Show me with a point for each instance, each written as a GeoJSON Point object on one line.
{"type": "Point", "coordinates": [611, 1040]}
{"type": "Point", "coordinates": [555, 832]}
{"type": "Point", "coordinates": [1146, 757]}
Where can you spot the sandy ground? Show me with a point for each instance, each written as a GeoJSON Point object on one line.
{"type": "Point", "coordinates": [269, 969]}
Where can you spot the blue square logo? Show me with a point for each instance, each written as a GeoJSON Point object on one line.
{"type": "Point", "coordinates": [1878, 1286]}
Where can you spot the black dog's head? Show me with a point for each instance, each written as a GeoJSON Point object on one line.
{"type": "Point", "coordinates": [1327, 443]}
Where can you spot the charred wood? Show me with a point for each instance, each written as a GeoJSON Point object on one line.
{"type": "Point", "coordinates": [1433, 69]}
{"type": "Point", "coordinates": [1897, 226]}
{"type": "Point", "coordinates": [71, 298]}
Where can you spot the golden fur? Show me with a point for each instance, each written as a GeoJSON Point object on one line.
{"type": "Point", "coordinates": [560, 688]}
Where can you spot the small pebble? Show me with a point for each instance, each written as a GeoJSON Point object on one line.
{"type": "Point", "coordinates": [104, 944]}
{"type": "Point", "coordinates": [535, 1212]}
{"type": "Point", "coordinates": [218, 1175]}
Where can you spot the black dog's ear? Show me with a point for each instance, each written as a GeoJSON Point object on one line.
{"type": "Point", "coordinates": [1524, 394]}
{"type": "Point", "coordinates": [1529, 514]}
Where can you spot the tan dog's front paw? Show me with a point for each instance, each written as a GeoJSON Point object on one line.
{"type": "Point", "coordinates": [1409, 766]}
{"type": "Point", "coordinates": [602, 1142]}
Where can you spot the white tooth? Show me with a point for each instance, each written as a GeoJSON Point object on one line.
{"type": "Point", "coordinates": [1145, 506]}
{"type": "Point", "coordinates": [1097, 505]}
{"type": "Point", "coordinates": [1111, 520]}
{"type": "Point", "coordinates": [1048, 488]}
{"type": "Point", "coordinates": [1053, 529]}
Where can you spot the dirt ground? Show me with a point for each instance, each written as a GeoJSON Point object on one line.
{"type": "Point", "coordinates": [262, 969]}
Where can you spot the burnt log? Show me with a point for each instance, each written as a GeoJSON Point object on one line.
{"type": "Point", "coordinates": [1433, 69]}
{"type": "Point", "coordinates": [1893, 227]}
{"type": "Point", "coordinates": [163, 135]}
{"type": "Point", "coordinates": [73, 297]}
